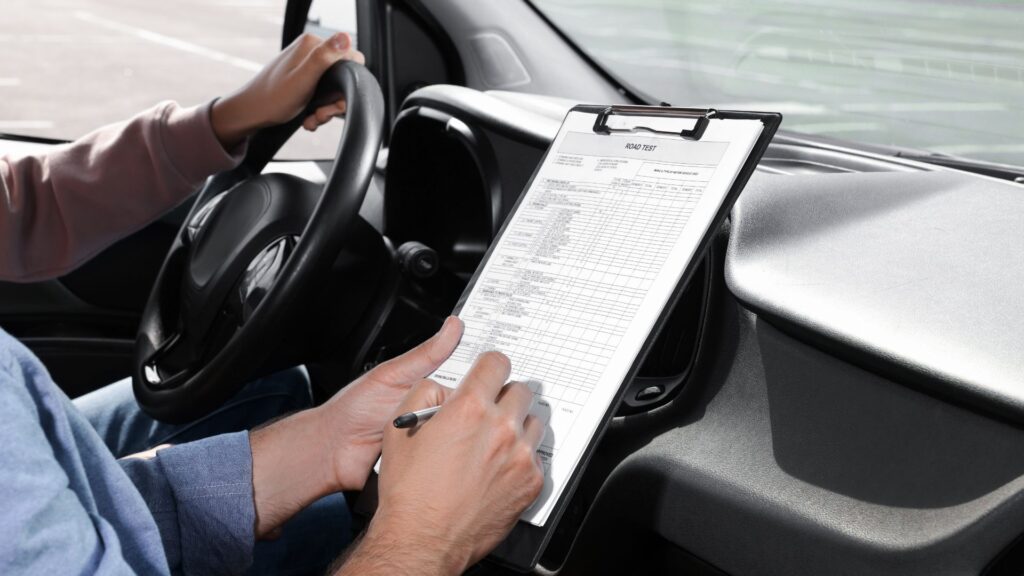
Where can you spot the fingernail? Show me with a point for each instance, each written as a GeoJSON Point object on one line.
{"type": "Point", "coordinates": [446, 326]}
{"type": "Point", "coordinates": [341, 41]}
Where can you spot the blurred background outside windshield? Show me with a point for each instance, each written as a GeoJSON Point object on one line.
{"type": "Point", "coordinates": [945, 76]}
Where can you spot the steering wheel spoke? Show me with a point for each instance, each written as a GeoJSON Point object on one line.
{"type": "Point", "coordinates": [163, 367]}
{"type": "Point", "coordinates": [196, 222]}
{"type": "Point", "coordinates": [261, 275]}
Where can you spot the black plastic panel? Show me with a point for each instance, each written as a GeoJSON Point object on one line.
{"type": "Point", "coordinates": [438, 190]}
{"type": "Point", "coordinates": [419, 53]}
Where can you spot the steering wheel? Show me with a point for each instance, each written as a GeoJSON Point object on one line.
{"type": "Point", "coordinates": [253, 249]}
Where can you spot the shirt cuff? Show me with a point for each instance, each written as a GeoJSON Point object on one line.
{"type": "Point", "coordinates": [210, 482]}
{"type": "Point", "coordinates": [192, 146]}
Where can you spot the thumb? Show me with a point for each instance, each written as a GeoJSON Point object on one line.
{"type": "Point", "coordinates": [422, 360]}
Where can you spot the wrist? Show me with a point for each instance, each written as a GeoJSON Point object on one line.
{"type": "Point", "coordinates": [412, 549]}
{"type": "Point", "coordinates": [288, 469]}
{"type": "Point", "coordinates": [231, 124]}
{"type": "Point", "coordinates": [348, 459]}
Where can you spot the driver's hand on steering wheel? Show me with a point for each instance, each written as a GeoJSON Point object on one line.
{"type": "Point", "coordinates": [281, 90]}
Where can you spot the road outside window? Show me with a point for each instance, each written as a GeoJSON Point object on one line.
{"type": "Point", "coordinates": [70, 66]}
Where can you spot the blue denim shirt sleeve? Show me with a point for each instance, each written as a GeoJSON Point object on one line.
{"type": "Point", "coordinates": [45, 525]}
{"type": "Point", "coordinates": [201, 496]}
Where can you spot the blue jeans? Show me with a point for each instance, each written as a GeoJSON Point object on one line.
{"type": "Point", "coordinates": [312, 539]}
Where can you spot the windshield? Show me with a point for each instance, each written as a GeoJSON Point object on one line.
{"type": "Point", "coordinates": [946, 76]}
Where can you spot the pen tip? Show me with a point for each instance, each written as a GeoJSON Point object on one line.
{"type": "Point", "coordinates": [405, 421]}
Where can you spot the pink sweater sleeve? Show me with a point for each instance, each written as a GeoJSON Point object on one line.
{"type": "Point", "coordinates": [61, 208]}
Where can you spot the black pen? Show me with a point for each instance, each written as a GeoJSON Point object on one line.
{"type": "Point", "coordinates": [410, 419]}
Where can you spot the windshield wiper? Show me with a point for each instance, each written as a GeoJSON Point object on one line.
{"type": "Point", "coordinates": [983, 167]}
{"type": "Point", "coordinates": [993, 169]}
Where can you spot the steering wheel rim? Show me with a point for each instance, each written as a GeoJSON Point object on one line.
{"type": "Point", "coordinates": [198, 267]}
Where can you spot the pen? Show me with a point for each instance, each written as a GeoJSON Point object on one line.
{"type": "Point", "coordinates": [410, 419]}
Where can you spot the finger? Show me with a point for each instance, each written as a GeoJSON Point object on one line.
{"type": "Point", "coordinates": [425, 394]}
{"type": "Point", "coordinates": [341, 42]}
{"type": "Point", "coordinates": [422, 360]}
{"type": "Point", "coordinates": [356, 56]}
{"type": "Point", "coordinates": [533, 431]}
{"type": "Point", "coordinates": [325, 113]}
{"type": "Point", "coordinates": [330, 111]}
{"type": "Point", "coordinates": [326, 53]}
{"type": "Point", "coordinates": [516, 399]}
{"type": "Point", "coordinates": [303, 45]}
{"type": "Point", "coordinates": [321, 116]}
{"type": "Point", "coordinates": [487, 376]}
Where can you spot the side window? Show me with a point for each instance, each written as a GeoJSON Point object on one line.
{"type": "Point", "coordinates": [70, 67]}
{"type": "Point", "coordinates": [325, 17]}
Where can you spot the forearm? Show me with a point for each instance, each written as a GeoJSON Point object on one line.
{"type": "Point", "coordinates": [233, 121]}
{"type": "Point", "coordinates": [60, 208]}
{"type": "Point", "coordinates": [290, 468]}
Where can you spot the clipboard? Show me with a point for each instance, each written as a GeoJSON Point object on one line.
{"type": "Point", "coordinates": [523, 548]}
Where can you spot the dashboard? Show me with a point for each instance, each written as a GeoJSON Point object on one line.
{"type": "Point", "coordinates": [837, 392]}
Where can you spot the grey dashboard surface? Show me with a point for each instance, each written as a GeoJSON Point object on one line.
{"type": "Point", "coordinates": [920, 272]}
{"type": "Point", "coordinates": [792, 462]}
{"type": "Point", "coordinates": [494, 110]}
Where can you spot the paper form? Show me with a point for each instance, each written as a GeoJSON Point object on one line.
{"type": "Point", "coordinates": [584, 267]}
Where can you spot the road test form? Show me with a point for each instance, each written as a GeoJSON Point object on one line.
{"type": "Point", "coordinates": [585, 266]}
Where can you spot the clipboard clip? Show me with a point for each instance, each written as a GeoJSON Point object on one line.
{"type": "Point", "coordinates": [701, 116]}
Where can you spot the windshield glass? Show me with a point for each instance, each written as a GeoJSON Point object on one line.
{"type": "Point", "coordinates": [945, 76]}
